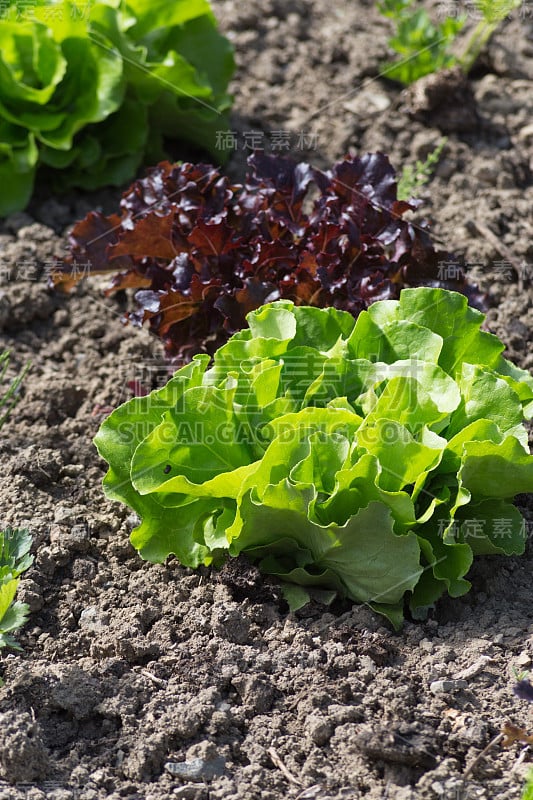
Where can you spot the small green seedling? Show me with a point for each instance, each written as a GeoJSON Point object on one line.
{"type": "Point", "coordinates": [15, 559]}
{"type": "Point", "coordinates": [424, 47]}
{"type": "Point", "coordinates": [9, 397]}
{"type": "Point", "coordinates": [413, 178]}
{"type": "Point", "coordinates": [520, 674]}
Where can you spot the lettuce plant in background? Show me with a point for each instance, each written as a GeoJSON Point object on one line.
{"type": "Point", "coordinates": [203, 252]}
{"type": "Point", "coordinates": [90, 89]}
{"type": "Point", "coordinates": [372, 457]}
{"type": "Point", "coordinates": [423, 47]}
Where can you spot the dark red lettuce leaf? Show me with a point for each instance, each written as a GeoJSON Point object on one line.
{"type": "Point", "coordinates": [203, 252]}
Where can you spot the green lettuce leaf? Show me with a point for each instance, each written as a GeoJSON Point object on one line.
{"type": "Point", "coordinates": [91, 90]}
{"type": "Point", "coordinates": [15, 559]}
{"type": "Point", "coordinates": [379, 480]}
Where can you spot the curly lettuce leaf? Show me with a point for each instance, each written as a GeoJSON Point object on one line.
{"type": "Point", "coordinates": [72, 77]}
{"type": "Point", "coordinates": [378, 480]}
{"type": "Point", "coordinates": [210, 252]}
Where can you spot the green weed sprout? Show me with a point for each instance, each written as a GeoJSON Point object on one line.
{"type": "Point", "coordinates": [9, 397]}
{"type": "Point", "coordinates": [413, 178]}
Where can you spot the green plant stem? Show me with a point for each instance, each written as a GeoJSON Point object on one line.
{"type": "Point", "coordinates": [8, 400]}
{"type": "Point", "coordinates": [493, 14]}
{"type": "Point", "coordinates": [479, 38]}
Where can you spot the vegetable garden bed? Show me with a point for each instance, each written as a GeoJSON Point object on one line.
{"type": "Point", "coordinates": [130, 669]}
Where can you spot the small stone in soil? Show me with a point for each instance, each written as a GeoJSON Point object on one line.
{"type": "Point", "coordinates": [524, 659]}
{"type": "Point", "coordinates": [320, 729]}
{"type": "Point", "coordinates": [197, 769]}
{"type": "Point", "coordinates": [92, 619]}
{"type": "Point", "coordinates": [191, 791]}
{"type": "Point", "coordinates": [439, 687]}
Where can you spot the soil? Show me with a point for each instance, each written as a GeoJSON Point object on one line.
{"type": "Point", "coordinates": [153, 681]}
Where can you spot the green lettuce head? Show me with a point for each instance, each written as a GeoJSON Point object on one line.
{"type": "Point", "coordinates": [92, 88]}
{"type": "Point", "coordinates": [374, 457]}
